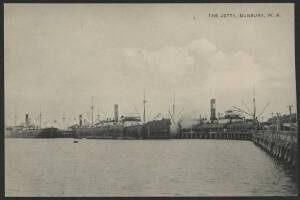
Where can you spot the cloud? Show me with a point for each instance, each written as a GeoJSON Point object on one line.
{"type": "Point", "coordinates": [195, 72]}
{"type": "Point", "coordinates": [195, 64]}
{"type": "Point", "coordinates": [201, 47]}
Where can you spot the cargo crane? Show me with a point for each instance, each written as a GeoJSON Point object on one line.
{"type": "Point", "coordinates": [98, 116]}
{"type": "Point", "coordinates": [246, 106]}
{"type": "Point", "coordinates": [253, 113]}
{"type": "Point", "coordinates": [172, 116]}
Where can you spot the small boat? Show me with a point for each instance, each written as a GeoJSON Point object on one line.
{"type": "Point", "coordinates": [75, 141]}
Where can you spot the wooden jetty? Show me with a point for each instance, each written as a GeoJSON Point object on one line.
{"type": "Point", "coordinates": [279, 144]}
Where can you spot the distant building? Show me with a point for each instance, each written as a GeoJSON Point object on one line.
{"type": "Point", "coordinates": [284, 119]}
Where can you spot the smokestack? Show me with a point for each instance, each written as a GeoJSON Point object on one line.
{"type": "Point", "coordinates": [213, 110]}
{"type": "Point", "coordinates": [80, 120]}
{"type": "Point", "coordinates": [116, 112]}
{"type": "Point", "coordinates": [26, 120]}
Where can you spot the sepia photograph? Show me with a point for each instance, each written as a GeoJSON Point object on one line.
{"type": "Point", "coordinates": [150, 100]}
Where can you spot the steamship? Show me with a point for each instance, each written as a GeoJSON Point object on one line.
{"type": "Point", "coordinates": [232, 121]}
{"type": "Point", "coordinates": [128, 127]}
{"type": "Point", "coordinates": [105, 129]}
{"type": "Point", "coordinates": [154, 129]}
{"type": "Point", "coordinates": [29, 130]}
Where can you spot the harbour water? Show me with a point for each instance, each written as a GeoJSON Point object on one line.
{"type": "Point", "coordinates": [59, 167]}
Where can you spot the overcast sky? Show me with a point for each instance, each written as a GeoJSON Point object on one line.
{"type": "Point", "coordinates": [59, 56]}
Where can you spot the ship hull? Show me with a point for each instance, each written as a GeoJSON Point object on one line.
{"type": "Point", "coordinates": [101, 132]}
{"type": "Point", "coordinates": [33, 133]}
{"type": "Point", "coordinates": [134, 132]}
{"type": "Point", "coordinates": [226, 127]}
{"type": "Point", "coordinates": [158, 129]}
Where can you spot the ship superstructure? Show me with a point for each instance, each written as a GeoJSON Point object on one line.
{"type": "Point", "coordinates": [127, 127]}
{"type": "Point", "coordinates": [29, 130]}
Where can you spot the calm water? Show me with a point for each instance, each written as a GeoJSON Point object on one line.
{"type": "Point", "coordinates": [59, 167]}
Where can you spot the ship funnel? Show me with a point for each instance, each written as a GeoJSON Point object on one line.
{"type": "Point", "coordinates": [213, 110]}
{"type": "Point", "coordinates": [26, 120]}
{"type": "Point", "coordinates": [116, 112]}
{"type": "Point", "coordinates": [80, 120]}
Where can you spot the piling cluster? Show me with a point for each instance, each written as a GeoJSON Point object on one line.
{"type": "Point", "coordinates": [279, 144]}
{"type": "Point", "coordinates": [214, 135]}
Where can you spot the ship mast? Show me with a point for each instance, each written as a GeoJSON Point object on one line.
{"type": "Point", "coordinates": [15, 117]}
{"type": "Point", "coordinates": [174, 107]}
{"type": "Point", "coordinates": [252, 114]}
{"type": "Point", "coordinates": [92, 111]}
{"type": "Point", "coordinates": [63, 120]}
{"type": "Point", "coordinates": [40, 116]}
{"type": "Point", "coordinates": [254, 106]}
{"type": "Point", "coordinates": [144, 102]}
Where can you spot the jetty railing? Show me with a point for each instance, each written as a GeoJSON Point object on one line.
{"type": "Point", "coordinates": [221, 134]}
{"type": "Point", "coordinates": [280, 144]}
